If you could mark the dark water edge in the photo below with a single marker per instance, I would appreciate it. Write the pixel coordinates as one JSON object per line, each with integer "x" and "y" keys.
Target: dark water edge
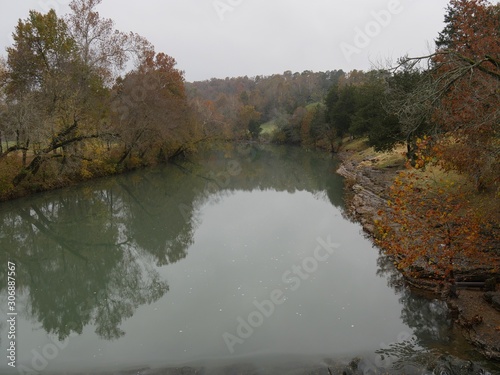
{"x": 444, "y": 365}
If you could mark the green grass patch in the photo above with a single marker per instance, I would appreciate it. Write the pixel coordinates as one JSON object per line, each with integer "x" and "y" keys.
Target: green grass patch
{"x": 268, "y": 128}
{"x": 355, "y": 145}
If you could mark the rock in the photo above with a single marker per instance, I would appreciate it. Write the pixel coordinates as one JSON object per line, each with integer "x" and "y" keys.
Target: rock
{"x": 493, "y": 299}
{"x": 367, "y": 194}
{"x": 449, "y": 365}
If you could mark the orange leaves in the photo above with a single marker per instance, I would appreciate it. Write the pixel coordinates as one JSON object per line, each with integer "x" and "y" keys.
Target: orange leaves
{"x": 423, "y": 153}
{"x": 468, "y": 110}
{"x": 431, "y": 228}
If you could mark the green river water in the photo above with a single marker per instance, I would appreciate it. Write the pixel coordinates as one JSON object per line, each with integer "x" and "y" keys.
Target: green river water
{"x": 238, "y": 259}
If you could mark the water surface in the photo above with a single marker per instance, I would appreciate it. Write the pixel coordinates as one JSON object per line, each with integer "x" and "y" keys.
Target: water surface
{"x": 183, "y": 265}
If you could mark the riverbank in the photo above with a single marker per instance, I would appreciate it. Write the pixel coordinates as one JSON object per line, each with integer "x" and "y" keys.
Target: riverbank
{"x": 18, "y": 180}
{"x": 369, "y": 175}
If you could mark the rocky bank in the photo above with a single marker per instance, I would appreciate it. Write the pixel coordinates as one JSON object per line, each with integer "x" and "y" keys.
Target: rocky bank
{"x": 476, "y": 310}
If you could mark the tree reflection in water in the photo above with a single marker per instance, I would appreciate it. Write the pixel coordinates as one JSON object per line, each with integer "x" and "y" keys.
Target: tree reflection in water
{"x": 432, "y": 331}
{"x": 75, "y": 263}
{"x": 89, "y": 255}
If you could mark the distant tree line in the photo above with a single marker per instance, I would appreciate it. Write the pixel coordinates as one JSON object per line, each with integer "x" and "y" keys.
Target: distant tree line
{"x": 239, "y": 106}
{"x": 450, "y": 96}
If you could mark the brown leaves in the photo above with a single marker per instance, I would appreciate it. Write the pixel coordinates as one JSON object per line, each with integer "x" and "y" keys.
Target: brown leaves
{"x": 430, "y": 226}
{"x": 468, "y": 110}
{"x": 151, "y": 111}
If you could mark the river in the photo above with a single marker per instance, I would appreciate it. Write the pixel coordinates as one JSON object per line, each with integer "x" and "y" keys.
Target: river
{"x": 237, "y": 258}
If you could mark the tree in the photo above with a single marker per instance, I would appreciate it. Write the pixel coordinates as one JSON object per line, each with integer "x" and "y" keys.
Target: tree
{"x": 460, "y": 91}
{"x": 370, "y": 112}
{"x": 56, "y": 93}
{"x": 440, "y": 228}
{"x": 39, "y": 66}
{"x": 213, "y": 123}
{"x": 358, "y": 105}
{"x": 3, "y": 103}
{"x": 249, "y": 118}
{"x": 341, "y": 106}
{"x": 66, "y": 113}
{"x": 155, "y": 123}
{"x": 468, "y": 63}
{"x": 409, "y": 111}
{"x": 318, "y": 127}
{"x": 42, "y": 49}
{"x": 432, "y": 230}
{"x": 279, "y": 95}
{"x": 103, "y": 50}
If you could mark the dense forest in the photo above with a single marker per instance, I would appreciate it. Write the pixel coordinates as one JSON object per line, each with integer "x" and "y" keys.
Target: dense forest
{"x": 268, "y": 108}
{"x": 79, "y": 99}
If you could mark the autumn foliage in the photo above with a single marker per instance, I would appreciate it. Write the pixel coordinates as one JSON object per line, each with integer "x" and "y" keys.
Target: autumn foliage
{"x": 442, "y": 218}
{"x": 467, "y": 70}
{"x": 72, "y": 108}
{"x": 433, "y": 229}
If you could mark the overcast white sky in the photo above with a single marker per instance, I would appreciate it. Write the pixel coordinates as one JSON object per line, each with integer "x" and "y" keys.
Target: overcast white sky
{"x": 227, "y": 38}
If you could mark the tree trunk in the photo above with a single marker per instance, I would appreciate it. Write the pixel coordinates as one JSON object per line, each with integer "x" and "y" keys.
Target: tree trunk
{"x": 25, "y": 152}
{"x": 127, "y": 152}
{"x": 411, "y": 151}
